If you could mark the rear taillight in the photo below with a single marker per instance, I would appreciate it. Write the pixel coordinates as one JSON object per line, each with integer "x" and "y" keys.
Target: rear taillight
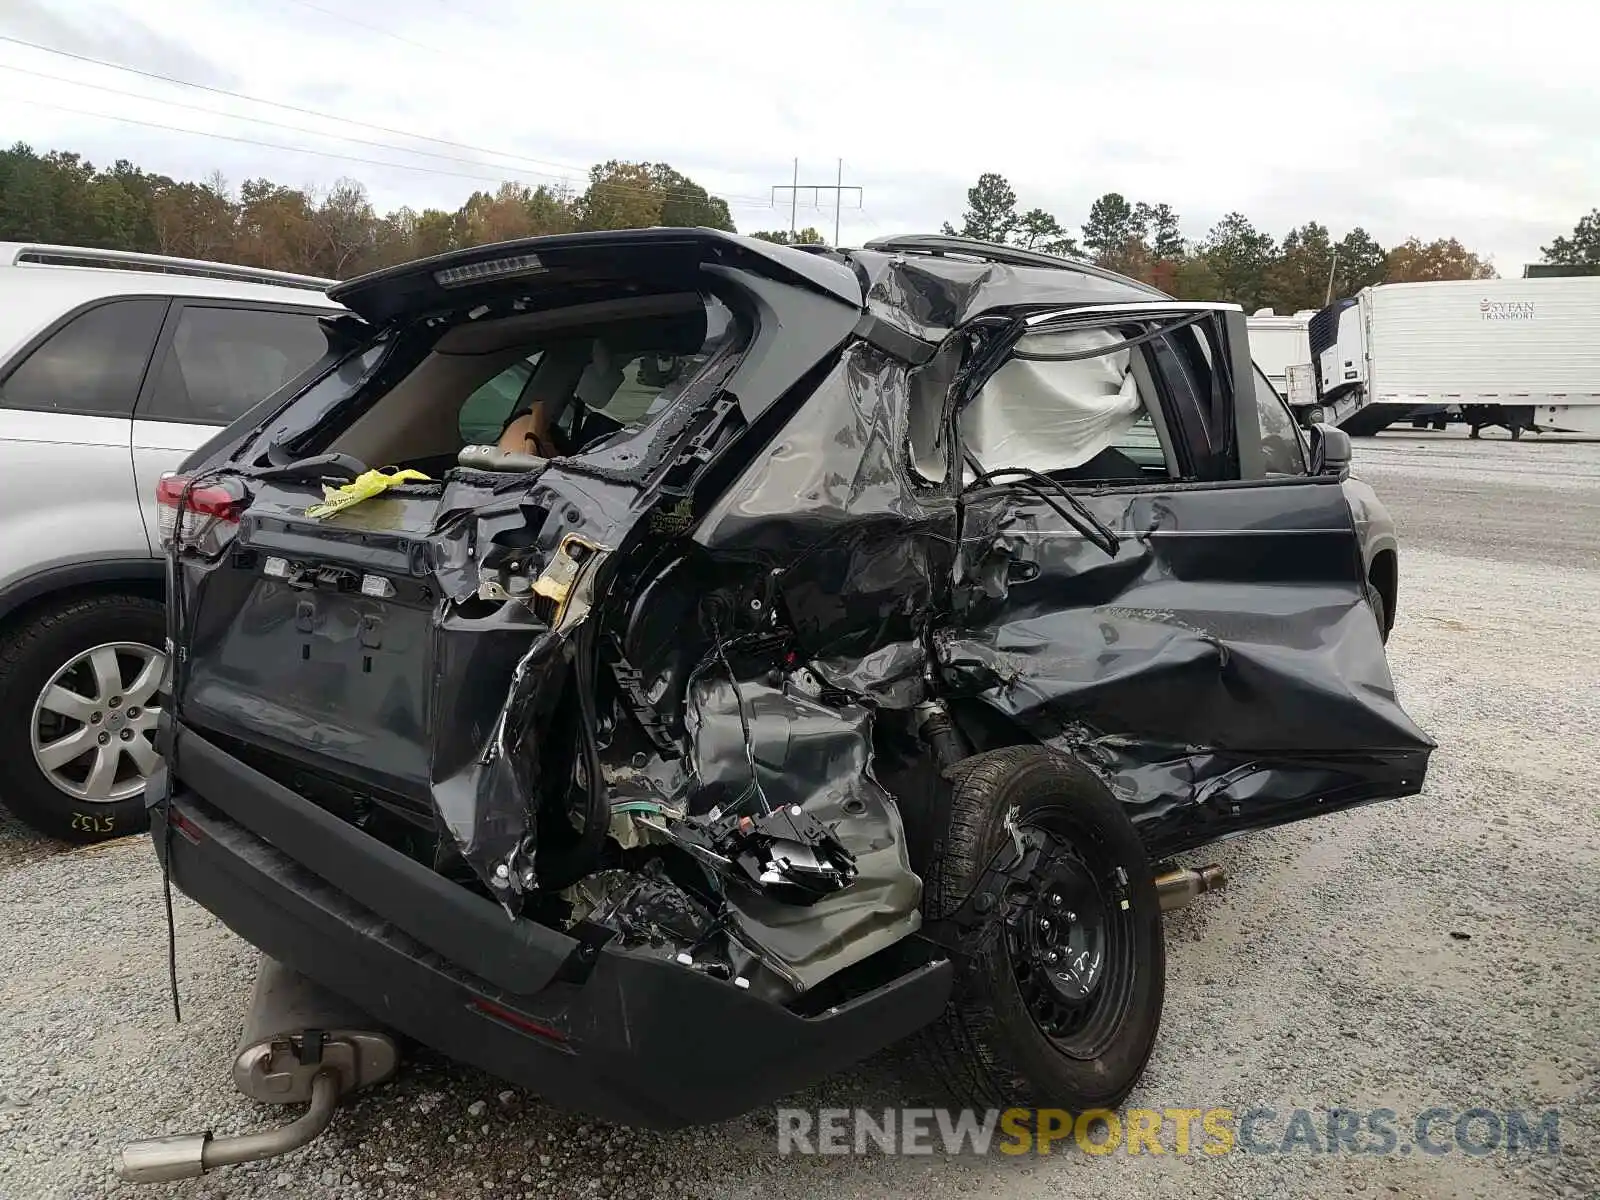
{"x": 210, "y": 512}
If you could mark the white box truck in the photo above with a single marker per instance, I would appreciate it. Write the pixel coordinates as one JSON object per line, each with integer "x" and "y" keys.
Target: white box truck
{"x": 1279, "y": 342}
{"x": 1519, "y": 353}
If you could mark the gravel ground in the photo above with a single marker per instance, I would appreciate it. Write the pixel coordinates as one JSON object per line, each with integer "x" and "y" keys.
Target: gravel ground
{"x": 1436, "y": 951}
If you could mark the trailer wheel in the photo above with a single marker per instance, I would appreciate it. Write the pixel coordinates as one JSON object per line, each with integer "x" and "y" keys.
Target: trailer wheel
{"x": 1059, "y": 1005}
{"x": 1365, "y": 423}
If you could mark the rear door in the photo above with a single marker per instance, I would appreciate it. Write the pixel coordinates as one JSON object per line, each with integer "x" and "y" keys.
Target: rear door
{"x": 66, "y": 404}
{"x": 1222, "y": 666}
{"x": 216, "y": 359}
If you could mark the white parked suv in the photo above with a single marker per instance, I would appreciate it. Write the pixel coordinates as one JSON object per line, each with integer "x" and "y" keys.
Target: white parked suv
{"x": 114, "y": 366}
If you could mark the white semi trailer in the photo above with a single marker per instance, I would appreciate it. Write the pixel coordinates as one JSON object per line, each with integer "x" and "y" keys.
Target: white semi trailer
{"x": 1520, "y": 353}
{"x": 1279, "y": 342}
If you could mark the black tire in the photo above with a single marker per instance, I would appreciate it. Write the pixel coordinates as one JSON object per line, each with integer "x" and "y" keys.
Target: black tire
{"x": 30, "y": 655}
{"x": 988, "y": 1049}
{"x": 1365, "y": 424}
{"x": 1379, "y": 610}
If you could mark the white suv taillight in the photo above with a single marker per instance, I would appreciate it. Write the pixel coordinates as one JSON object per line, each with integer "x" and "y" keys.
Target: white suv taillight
{"x": 210, "y": 513}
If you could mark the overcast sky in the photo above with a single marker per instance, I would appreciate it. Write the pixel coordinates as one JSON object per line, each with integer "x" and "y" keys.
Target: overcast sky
{"x": 1408, "y": 117}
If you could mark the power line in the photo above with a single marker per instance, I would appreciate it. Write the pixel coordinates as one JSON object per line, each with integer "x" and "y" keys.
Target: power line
{"x": 513, "y": 172}
{"x": 257, "y": 142}
{"x": 359, "y": 24}
{"x": 870, "y": 219}
{"x": 451, "y": 6}
{"x": 213, "y": 112}
{"x": 297, "y": 149}
{"x": 309, "y": 112}
{"x": 746, "y": 201}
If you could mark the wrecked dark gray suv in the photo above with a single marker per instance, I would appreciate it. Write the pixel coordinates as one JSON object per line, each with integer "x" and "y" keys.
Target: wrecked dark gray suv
{"x": 882, "y": 627}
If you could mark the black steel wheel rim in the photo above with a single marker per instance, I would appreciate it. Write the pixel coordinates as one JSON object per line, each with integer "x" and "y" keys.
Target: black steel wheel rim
{"x": 1070, "y": 942}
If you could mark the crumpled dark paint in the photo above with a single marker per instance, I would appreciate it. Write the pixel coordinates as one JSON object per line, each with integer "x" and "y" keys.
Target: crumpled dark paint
{"x": 861, "y": 553}
{"x": 929, "y": 300}
{"x": 1222, "y": 670}
{"x": 1198, "y": 734}
{"x": 484, "y": 801}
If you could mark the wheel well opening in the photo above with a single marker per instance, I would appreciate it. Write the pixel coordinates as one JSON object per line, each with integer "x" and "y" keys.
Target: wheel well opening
{"x": 149, "y": 589}
{"x": 1385, "y": 577}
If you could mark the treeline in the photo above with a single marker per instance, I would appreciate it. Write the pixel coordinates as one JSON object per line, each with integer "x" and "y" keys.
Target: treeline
{"x": 1234, "y": 261}
{"x": 60, "y": 197}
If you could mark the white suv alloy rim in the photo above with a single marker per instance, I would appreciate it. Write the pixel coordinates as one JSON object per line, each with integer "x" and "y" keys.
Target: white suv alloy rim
{"x": 94, "y": 724}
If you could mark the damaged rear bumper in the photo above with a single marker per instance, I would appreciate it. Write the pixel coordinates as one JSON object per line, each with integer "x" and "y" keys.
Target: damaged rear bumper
{"x": 628, "y": 1037}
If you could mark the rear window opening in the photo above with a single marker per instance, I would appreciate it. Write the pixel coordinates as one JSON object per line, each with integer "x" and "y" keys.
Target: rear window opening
{"x": 554, "y": 383}
{"x": 1082, "y": 405}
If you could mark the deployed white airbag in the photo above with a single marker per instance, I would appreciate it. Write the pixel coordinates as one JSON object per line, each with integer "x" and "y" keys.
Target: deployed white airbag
{"x": 1051, "y": 415}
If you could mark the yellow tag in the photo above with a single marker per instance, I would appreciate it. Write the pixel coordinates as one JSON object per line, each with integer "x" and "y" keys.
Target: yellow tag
{"x": 363, "y": 487}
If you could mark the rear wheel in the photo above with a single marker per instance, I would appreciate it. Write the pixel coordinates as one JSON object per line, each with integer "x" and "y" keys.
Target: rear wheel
{"x": 1379, "y": 610}
{"x": 1061, "y": 1005}
{"x": 78, "y": 712}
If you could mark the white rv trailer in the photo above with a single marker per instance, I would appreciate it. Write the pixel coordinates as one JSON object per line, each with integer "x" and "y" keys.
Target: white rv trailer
{"x": 1522, "y": 353}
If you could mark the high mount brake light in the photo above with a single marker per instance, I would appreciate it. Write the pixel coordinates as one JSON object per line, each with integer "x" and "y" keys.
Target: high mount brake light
{"x": 494, "y": 268}
{"x": 210, "y": 513}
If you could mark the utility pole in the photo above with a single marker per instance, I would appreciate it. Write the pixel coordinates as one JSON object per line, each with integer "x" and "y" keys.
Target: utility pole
{"x": 838, "y": 200}
{"x": 838, "y": 188}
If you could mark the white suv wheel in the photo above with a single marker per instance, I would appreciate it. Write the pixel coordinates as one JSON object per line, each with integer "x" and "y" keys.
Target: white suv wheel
{"x": 94, "y": 722}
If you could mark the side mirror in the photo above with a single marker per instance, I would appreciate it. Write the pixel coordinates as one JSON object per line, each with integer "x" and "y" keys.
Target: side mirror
{"x": 1330, "y": 450}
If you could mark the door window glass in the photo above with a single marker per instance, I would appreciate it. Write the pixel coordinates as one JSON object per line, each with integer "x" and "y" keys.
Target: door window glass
{"x": 224, "y": 361}
{"x": 92, "y": 365}
{"x": 1281, "y": 449}
{"x": 485, "y": 413}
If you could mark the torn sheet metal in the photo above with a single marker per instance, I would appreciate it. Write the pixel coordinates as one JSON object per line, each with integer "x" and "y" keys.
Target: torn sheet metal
{"x": 817, "y": 757}
{"x": 859, "y": 550}
{"x": 750, "y": 646}
{"x": 1219, "y": 679}
{"x": 930, "y": 297}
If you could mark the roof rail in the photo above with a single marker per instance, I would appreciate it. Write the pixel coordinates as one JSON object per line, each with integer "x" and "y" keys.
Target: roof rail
{"x": 132, "y": 260}
{"x": 1011, "y": 256}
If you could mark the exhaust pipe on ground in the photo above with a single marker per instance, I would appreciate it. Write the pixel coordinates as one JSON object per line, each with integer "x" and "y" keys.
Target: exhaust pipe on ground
{"x": 1179, "y": 887}
{"x": 301, "y": 1045}
{"x": 190, "y": 1155}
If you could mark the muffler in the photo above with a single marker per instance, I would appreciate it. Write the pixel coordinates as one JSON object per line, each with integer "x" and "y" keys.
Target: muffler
{"x": 1180, "y": 886}
{"x": 301, "y": 1045}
